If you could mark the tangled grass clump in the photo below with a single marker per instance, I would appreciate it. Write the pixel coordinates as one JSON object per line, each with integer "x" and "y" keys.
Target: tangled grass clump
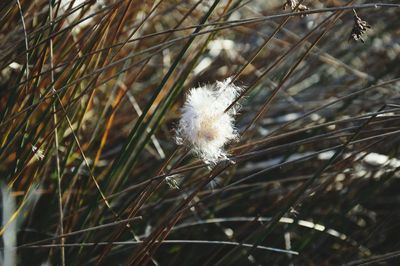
{"x": 92, "y": 94}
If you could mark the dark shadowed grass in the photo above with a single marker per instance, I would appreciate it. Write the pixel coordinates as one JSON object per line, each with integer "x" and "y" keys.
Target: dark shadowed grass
{"x": 90, "y": 93}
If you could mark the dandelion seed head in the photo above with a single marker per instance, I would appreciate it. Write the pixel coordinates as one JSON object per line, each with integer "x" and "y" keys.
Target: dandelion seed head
{"x": 204, "y": 125}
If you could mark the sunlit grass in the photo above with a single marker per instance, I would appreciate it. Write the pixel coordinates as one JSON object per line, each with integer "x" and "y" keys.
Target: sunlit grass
{"x": 91, "y": 96}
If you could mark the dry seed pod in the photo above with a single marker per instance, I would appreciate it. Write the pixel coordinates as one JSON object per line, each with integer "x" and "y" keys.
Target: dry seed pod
{"x": 359, "y": 28}
{"x": 293, "y": 4}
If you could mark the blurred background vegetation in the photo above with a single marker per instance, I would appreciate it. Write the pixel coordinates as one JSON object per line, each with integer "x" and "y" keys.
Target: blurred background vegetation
{"x": 90, "y": 93}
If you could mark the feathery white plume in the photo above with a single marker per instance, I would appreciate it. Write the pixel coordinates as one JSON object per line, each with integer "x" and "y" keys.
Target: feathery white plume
{"x": 204, "y": 125}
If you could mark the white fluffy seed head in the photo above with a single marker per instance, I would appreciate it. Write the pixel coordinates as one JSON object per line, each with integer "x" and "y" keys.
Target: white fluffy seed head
{"x": 204, "y": 125}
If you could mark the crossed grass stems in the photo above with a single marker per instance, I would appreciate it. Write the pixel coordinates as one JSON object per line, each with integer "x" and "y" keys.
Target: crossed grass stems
{"x": 129, "y": 155}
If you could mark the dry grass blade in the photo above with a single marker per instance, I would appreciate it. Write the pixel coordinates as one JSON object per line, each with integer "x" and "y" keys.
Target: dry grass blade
{"x": 91, "y": 97}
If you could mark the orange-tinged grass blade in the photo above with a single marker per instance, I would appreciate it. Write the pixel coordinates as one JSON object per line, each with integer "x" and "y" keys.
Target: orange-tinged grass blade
{"x": 115, "y": 104}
